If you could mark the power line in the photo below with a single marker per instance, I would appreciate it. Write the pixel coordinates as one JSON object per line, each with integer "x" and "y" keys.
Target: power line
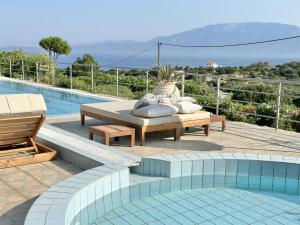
{"x": 132, "y": 56}
{"x": 230, "y": 45}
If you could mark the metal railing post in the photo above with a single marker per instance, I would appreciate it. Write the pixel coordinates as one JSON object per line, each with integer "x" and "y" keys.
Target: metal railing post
{"x": 92, "y": 77}
{"x": 218, "y": 96}
{"x": 278, "y": 105}
{"x": 10, "y": 69}
{"x": 23, "y": 70}
{"x": 182, "y": 84}
{"x": 37, "y": 71}
{"x": 117, "y": 82}
{"x": 147, "y": 82}
{"x": 71, "y": 77}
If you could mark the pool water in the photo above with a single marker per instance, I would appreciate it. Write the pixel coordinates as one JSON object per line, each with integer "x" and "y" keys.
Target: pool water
{"x": 208, "y": 206}
{"x": 58, "y": 102}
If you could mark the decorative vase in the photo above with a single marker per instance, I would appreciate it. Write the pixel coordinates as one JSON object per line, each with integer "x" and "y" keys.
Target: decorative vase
{"x": 166, "y": 89}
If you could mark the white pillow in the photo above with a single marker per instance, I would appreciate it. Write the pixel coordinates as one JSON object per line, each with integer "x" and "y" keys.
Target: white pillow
{"x": 186, "y": 99}
{"x": 145, "y": 101}
{"x": 187, "y": 107}
{"x": 156, "y": 110}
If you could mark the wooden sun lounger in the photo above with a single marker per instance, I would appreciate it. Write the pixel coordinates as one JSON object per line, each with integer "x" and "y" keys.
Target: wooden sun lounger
{"x": 17, "y": 140}
{"x": 120, "y": 113}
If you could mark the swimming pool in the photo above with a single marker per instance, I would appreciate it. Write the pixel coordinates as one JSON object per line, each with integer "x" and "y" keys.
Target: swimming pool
{"x": 58, "y": 101}
{"x": 216, "y": 188}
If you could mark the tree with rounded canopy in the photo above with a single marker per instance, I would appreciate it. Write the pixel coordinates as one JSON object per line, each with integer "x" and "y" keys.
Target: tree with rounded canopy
{"x": 55, "y": 46}
{"x": 83, "y": 65}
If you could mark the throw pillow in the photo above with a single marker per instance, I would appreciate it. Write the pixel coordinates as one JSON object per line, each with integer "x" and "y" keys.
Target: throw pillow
{"x": 156, "y": 110}
{"x": 187, "y": 107}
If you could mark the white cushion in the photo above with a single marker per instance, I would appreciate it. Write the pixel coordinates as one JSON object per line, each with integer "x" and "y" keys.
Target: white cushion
{"x": 156, "y": 110}
{"x": 186, "y": 99}
{"x": 145, "y": 101}
{"x": 21, "y": 105}
{"x": 187, "y": 107}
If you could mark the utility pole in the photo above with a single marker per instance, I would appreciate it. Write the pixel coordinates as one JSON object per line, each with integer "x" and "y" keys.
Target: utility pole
{"x": 158, "y": 53}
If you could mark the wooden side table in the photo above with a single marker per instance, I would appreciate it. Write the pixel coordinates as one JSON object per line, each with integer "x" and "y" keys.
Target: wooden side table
{"x": 219, "y": 118}
{"x": 109, "y": 131}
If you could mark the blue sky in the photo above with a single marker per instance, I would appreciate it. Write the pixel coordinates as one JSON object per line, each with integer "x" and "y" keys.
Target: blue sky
{"x": 25, "y": 22}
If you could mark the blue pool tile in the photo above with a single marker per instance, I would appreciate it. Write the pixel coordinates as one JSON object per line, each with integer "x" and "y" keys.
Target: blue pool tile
{"x": 158, "y": 168}
{"x": 169, "y": 221}
{"x": 146, "y": 166}
{"x": 243, "y": 217}
{"x": 125, "y": 195}
{"x": 266, "y": 181}
{"x": 197, "y": 181}
{"x": 152, "y": 167}
{"x": 156, "y": 213}
{"x": 166, "y": 210}
{"x": 197, "y": 167}
{"x": 243, "y": 174}
{"x": 175, "y": 169}
{"x": 145, "y": 217}
{"x": 144, "y": 189}
{"x": 219, "y": 174}
{"x": 279, "y": 177}
{"x": 155, "y": 223}
{"x": 142, "y": 205}
{"x": 175, "y": 184}
{"x": 183, "y": 220}
{"x": 186, "y": 183}
{"x": 194, "y": 217}
{"x": 134, "y": 192}
{"x": 107, "y": 203}
{"x": 163, "y": 168}
{"x": 131, "y": 219}
{"x": 186, "y": 168}
{"x": 231, "y": 173}
{"x": 208, "y": 173}
{"x": 118, "y": 221}
{"x": 116, "y": 199}
{"x": 165, "y": 185}
{"x": 292, "y": 176}
{"x": 132, "y": 208}
{"x": 232, "y": 220}
{"x": 255, "y": 174}
{"x": 120, "y": 211}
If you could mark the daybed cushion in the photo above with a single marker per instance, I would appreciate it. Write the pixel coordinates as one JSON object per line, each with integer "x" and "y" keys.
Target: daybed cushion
{"x": 122, "y": 110}
{"x": 187, "y": 107}
{"x": 21, "y": 105}
{"x": 155, "y": 110}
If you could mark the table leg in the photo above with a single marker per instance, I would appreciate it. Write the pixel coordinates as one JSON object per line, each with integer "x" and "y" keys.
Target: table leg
{"x": 106, "y": 139}
{"x": 223, "y": 125}
{"x": 82, "y": 119}
{"x": 91, "y": 135}
{"x": 207, "y": 129}
{"x": 132, "y": 140}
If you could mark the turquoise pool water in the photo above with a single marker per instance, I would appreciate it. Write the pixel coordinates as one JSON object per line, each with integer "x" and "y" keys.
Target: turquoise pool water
{"x": 58, "y": 102}
{"x": 208, "y": 206}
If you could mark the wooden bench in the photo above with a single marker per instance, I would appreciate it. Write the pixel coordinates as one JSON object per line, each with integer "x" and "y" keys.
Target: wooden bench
{"x": 110, "y": 131}
{"x": 219, "y": 118}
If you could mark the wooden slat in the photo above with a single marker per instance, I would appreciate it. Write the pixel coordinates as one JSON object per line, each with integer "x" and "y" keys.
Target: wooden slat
{"x": 7, "y": 152}
{"x": 32, "y": 119}
{"x": 20, "y": 134}
{"x": 12, "y": 128}
{"x": 13, "y": 141}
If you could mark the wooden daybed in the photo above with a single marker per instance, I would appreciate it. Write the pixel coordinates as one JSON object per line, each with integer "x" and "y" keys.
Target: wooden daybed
{"x": 21, "y": 116}
{"x": 121, "y": 113}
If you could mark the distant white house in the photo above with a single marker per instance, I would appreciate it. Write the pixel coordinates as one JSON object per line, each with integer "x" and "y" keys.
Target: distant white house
{"x": 213, "y": 64}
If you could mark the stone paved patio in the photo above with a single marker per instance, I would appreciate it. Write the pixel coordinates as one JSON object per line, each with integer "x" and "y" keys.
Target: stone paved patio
{"x": 19, "y": 187}
{"x": 238, "y": 137}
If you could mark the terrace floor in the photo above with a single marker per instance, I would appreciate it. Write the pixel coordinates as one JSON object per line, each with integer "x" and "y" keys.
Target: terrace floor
{"x": 238, "y": 137}
{"x": 20, "y": 186}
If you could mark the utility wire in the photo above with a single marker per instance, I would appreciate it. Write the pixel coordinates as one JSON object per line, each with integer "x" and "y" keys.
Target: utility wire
{"x": 132, "y": 56}
{"x": 230, "y": 45}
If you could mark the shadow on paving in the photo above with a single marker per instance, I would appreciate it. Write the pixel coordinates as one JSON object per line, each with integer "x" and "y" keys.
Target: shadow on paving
{"x": 17, "y": 215}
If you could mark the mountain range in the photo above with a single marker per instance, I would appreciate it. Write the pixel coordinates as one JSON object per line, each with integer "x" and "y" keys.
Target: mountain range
{"x": 218, "y": 34}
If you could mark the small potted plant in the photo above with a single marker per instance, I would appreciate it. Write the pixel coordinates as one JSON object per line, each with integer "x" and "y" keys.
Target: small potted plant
{"x": 167, "y": 78}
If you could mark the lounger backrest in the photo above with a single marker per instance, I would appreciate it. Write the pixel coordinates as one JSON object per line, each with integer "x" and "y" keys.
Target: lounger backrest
{"x": 21, "y": 116}
{"x": 22, "y": 105}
